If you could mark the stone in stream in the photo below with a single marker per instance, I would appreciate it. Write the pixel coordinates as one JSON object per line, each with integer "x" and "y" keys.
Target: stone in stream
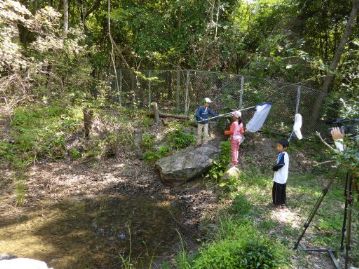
{"x": 187, "y": 164}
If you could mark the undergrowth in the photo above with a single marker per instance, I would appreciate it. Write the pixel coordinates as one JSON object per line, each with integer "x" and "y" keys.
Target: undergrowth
{"x": 177, "y": 138}
{"x": 41, "y": 132}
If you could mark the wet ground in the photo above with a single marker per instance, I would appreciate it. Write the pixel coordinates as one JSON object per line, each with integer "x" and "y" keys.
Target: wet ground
{"x": 101, "y": 214}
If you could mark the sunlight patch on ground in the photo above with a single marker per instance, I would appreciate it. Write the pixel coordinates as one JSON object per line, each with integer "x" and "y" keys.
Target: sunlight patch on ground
{"x": 286, "y": 216}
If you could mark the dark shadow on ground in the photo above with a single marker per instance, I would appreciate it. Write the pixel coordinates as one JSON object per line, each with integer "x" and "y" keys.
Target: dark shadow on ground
{"x": 103, "y": 232}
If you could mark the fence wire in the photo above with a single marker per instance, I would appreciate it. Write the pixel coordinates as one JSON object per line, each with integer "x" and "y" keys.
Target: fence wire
{"x": 182, "y": 91}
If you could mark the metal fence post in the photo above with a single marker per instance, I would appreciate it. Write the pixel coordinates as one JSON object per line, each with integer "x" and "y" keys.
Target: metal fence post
{"x": 178, "y": 90}
{"x": 186, "y": 107}
{"x": 120, "y": 89}
{"x": 241, "y": 92}
{"x": 149, "y": 89}
{"x": 298, "y": 99}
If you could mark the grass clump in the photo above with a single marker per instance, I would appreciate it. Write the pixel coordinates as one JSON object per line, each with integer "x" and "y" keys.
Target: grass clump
{"x": 154, "y": 155}
{"x": 241, "y": 246}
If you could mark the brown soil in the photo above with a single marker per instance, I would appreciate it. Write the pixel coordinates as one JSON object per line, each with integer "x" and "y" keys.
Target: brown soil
{"x": 95, "y": 214}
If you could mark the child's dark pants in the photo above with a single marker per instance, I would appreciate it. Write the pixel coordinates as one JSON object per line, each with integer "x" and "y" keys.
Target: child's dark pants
{"x": 279, "y": 193}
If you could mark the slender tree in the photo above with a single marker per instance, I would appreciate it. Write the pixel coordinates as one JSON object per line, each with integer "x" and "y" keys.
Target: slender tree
{"x": 328, "y": 79}
{"x": 66, "y": 16}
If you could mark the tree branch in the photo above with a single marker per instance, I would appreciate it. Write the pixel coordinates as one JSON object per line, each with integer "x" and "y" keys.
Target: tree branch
{"x": 325, "y": 143}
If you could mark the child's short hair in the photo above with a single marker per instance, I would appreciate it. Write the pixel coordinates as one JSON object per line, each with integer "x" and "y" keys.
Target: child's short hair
{"x": 284, "y": 143}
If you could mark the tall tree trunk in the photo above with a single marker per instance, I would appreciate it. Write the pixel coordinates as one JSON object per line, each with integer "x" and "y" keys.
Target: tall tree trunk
{"x": 66, "y": 16}
{"x": 335, "y": 62}
{"x": 112, "y": 53}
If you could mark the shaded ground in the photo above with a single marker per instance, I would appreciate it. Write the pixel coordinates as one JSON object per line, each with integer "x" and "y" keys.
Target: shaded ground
{"x": 97, "y": 214}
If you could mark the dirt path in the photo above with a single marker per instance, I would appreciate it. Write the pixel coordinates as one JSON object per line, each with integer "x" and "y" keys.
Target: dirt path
{"x": 94, "y": 214}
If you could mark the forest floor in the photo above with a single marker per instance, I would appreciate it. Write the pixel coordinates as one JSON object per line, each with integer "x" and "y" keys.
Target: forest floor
{"x": 113, "y": 212}
{"x": 96, "y": 214}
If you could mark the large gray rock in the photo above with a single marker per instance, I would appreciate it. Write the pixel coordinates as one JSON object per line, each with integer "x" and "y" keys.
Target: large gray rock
{"x": 187, "y": 164}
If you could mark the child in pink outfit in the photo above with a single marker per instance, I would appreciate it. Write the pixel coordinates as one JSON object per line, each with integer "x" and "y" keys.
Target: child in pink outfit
{"x": 236, "y": 132}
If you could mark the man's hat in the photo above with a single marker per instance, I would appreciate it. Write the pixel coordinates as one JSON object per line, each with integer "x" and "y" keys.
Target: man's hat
{"x": 207, "y": 100}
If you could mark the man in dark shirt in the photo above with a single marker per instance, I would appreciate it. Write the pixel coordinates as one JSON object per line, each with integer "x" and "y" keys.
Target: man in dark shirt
{"x": 202, "y": 115}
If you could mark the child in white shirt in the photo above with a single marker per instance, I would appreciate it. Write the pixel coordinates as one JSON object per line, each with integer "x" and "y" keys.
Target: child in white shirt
{"x": 280, "y": 174}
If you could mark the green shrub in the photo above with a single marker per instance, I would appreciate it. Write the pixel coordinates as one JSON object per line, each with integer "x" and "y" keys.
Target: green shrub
{"x": 180, "y": 139}
{"x": 148, "y": 141}
{"x": 242, "y": 247}
{"x": 154, "y": 155}
{"x": 75, "y": 154}
{"x": 40, "y": 131}
{"x": 220, "y": 166}
{"x": 228, "y": 184}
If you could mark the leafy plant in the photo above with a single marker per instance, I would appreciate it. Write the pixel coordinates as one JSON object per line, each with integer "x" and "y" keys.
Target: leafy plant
{"x": 241, "y": 247}
{"x": 220, "y": 166}
{"x": 148, "y": 141}
{"x": 180, "y": 139}
{"x": 154, "y": 155}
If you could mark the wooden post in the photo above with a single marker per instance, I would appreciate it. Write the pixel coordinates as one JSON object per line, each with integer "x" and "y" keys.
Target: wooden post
{"x": 241, "y": 93}
{"x": 88, "y": 114}
{"x": 156, "y": 113}
{"x": 186, "y": 107}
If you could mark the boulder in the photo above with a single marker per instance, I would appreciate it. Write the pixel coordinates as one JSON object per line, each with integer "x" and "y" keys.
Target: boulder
{"x": 187, "y": 164}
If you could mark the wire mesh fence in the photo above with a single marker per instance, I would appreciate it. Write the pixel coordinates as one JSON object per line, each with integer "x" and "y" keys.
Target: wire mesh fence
{"x": 182, "y": 91}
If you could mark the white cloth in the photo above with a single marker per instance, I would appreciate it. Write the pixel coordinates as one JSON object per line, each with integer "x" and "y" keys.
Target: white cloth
{"x": 281, "y": 175}
{"x": 298, "y": 122}
{"x": 23, "y": 263}
{"x": 259, "y": 117}
{"x": 202, "y": 129}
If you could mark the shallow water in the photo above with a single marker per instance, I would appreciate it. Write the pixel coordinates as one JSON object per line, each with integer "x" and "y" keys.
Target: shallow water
{"x": 103, "y": 232}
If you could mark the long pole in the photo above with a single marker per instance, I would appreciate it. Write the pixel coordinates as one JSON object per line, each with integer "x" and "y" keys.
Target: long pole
{"x": 349, "y": 222}
{"x": 226, "y": 114}
{"x": 298, "y": 99}
{"x": 313, "y": 212}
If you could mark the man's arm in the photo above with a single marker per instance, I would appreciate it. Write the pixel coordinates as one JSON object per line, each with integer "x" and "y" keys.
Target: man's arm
{"x": 212, "y": 113}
